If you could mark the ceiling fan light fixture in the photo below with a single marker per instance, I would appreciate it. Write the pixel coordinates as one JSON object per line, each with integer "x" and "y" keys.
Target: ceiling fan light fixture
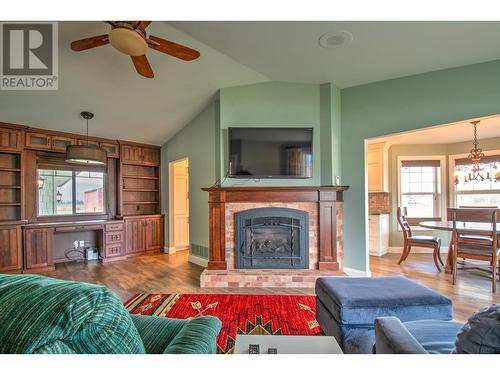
{"x": 128, "y": 41}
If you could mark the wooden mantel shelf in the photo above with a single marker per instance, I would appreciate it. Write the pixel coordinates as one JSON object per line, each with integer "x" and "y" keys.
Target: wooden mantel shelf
{"x": 326, "y": 198}
{"x": 275, "y": 193}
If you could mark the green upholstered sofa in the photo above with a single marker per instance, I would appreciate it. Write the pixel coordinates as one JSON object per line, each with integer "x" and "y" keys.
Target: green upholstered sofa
{"x": 44, "y": 315}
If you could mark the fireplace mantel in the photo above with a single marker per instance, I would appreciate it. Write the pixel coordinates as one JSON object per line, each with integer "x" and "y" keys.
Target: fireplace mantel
{"x": 327, "y": 199}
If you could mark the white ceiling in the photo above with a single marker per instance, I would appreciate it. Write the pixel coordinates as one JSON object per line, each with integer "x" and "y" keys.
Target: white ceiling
{"x": 289, "y": 51}
{"x": 445, "y": 134}
{"x": 126, "y": 105}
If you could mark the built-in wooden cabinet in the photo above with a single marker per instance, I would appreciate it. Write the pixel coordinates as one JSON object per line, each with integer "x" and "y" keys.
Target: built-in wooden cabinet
{"x": 154, "y": 233}
{"x": 377, "y": 163}
{"x": 10, "y": 186}
{"x": 11, "y": 245}
{"x": 11, "y": 139}
{"x": 38, "y": 141}
{"x": 378, "y": 229}
{"x": 38, "y": 248}
{"x": 140, "y": 175}
{"x": 140, "y": 155}
{"x": 29, "y": 243}
{"x": 49, "y": 142}
{"x": 143, "y": 233}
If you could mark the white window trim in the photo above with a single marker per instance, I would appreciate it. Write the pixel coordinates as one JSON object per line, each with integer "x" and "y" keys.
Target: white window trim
{"x": 451, "y": 174}
{"x": 444, "y": 186}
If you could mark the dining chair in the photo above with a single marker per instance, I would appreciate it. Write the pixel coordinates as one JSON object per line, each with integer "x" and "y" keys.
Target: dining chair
{"x": 410, "y": 240}
{"x": 468, "y": 244}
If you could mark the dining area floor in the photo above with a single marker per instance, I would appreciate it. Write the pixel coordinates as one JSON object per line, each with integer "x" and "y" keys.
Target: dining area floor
{"x": 472, "y": 291}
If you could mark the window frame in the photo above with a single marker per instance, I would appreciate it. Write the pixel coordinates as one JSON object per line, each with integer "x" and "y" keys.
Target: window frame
{"x": 442, "y": 194}
{"x": 451, "y": 176}
{"x": 73, "y": 187}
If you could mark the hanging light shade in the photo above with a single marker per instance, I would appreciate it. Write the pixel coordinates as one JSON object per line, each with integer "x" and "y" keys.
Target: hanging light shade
{"x": 88, "y": 154}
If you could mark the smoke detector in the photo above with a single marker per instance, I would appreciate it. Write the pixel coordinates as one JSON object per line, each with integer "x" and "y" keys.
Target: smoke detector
{"x": 335, "y": 39}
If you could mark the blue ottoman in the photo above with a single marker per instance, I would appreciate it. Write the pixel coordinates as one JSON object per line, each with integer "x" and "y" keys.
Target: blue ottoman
{"x": 346, "y": 307}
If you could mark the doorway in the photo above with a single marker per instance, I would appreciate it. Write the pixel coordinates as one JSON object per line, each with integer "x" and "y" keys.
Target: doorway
{"x": 179, "y": 205}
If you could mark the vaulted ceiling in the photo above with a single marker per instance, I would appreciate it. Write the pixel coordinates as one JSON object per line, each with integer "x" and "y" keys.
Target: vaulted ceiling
{"x": 128, "y": 106}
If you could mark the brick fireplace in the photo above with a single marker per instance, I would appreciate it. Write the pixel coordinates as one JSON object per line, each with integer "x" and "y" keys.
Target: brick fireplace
{"x": 277, "y": 234}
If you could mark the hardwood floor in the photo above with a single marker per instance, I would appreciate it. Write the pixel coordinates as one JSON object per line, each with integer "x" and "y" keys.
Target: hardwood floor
{"x": 163, "y": 273}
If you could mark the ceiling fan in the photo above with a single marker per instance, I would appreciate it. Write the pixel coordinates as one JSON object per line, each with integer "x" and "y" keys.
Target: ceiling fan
{"x": 130, "y": 38}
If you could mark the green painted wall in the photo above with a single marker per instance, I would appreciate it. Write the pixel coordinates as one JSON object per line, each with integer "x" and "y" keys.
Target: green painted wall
{"x": 398, "y": 105}
{"x": 198, "y": 142}
{"x": 271, "y": 104}
{"x": 330, "y": 123}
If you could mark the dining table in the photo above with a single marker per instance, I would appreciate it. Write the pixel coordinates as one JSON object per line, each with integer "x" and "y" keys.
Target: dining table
{"x": 447, "y": 225}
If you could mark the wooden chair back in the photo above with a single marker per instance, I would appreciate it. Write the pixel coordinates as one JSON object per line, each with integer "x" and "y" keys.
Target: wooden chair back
{"x": 472, "y": 214}
{"x": 483, "y": 215}
{"x": 403, "y": 222}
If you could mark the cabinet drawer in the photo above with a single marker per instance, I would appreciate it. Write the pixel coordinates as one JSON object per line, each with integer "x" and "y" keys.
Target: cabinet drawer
{"x": 112, "y": 237}
{"x": 113, "y": 250}
{"x": 114, "y": 227}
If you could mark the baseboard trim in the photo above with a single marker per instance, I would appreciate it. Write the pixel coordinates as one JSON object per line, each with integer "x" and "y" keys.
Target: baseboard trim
{"x": 170, "y": 249}
{"x": 352, "y": 272}
{"x": 416, "y": 250}
{"x": 198, "y": 260}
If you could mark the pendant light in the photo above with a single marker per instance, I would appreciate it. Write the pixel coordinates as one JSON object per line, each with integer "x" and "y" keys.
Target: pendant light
{"x": 87, "y": 154}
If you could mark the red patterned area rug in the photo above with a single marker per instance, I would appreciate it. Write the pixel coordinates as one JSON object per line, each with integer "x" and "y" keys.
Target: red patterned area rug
{"x": 241, "y": 314}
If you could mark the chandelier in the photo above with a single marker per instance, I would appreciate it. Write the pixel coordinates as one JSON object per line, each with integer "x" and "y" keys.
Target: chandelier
{"x": 476, "y": 156}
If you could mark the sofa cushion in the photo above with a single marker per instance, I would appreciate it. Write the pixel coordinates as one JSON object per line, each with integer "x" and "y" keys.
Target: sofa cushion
{"x": 436, "y": 336}
{"x": 481, "y": 333}
{"x": 157, "y": 332}
{"x": 44, "y": 315}
{"x": 198, "y": 336}
{"x": 359, "y": 300}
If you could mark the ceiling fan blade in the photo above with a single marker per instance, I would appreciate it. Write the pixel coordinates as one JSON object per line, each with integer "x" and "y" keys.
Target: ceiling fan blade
{"x": 142, "y": 66}
{"x": 87, "y": 43}
{"x": 173, "y": 49}
{"x": 143, "y": 24}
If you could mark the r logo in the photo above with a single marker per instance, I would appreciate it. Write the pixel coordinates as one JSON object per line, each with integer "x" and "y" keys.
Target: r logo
{"x": 29, "y": 56}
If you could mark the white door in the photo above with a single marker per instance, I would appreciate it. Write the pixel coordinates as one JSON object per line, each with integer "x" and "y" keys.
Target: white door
{"x": 180, "y": 185}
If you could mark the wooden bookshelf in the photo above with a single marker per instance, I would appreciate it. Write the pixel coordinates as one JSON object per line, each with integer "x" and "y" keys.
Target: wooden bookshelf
{"x": 140, "y": 189}
{"x": 10, "y": 188}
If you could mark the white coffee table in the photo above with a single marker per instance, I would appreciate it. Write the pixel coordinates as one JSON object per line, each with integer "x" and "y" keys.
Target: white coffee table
{"x": 288, "y": 344}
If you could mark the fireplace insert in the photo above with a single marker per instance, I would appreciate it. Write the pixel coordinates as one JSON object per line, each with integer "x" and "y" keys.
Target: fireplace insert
{"x": 272, "y": 238}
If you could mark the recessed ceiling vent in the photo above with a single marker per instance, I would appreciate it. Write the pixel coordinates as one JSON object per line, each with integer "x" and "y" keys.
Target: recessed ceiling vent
{"x": 335, "y": 39}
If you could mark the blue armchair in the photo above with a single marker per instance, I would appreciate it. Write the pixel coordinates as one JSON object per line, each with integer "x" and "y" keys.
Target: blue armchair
{"x": 480, "y": 335}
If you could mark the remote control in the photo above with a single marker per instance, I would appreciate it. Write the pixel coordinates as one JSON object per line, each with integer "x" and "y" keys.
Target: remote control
{"x": 253, "y": 349}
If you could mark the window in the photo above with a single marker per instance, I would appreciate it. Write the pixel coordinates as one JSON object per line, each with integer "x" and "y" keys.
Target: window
{"x": 70, "y": 192}
{"x": 476, "y": 192}
{"x": 420, "y": 189}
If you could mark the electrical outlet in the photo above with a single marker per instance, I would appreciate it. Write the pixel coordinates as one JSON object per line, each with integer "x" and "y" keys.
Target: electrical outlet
{"x": 75, "y": 244}
{"x": 82, "y": 243}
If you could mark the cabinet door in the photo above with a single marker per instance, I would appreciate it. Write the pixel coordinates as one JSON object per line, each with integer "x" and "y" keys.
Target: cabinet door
{"x": 154, "y": 233}
{"x": 150, "y": 156}
{"x": 60, "y": 143}
{"x": 38, "y": 248}
{"x": 11, "y": 139}
{"x": 111, "y": 148}
{"x": 11, "y": 257}
{"x": 376, "y": 167}
{"x": 84, "y": 142}
{"x": 135, "y": 240}
{"x": 131, "y": 154}
{"x": 38, "y": 141}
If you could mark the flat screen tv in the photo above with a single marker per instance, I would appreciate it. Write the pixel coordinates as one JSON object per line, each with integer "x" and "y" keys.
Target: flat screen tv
{"x": 270, "y": 152}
